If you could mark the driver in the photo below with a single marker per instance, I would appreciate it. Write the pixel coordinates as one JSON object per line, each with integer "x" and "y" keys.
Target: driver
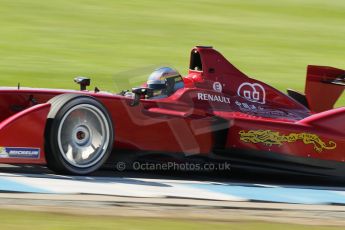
{"x": 164, "y": 81}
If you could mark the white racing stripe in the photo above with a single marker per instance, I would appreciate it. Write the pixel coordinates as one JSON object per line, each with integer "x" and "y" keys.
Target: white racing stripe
{"x": 131, "y": 187}
{"x": 160, "y": 188}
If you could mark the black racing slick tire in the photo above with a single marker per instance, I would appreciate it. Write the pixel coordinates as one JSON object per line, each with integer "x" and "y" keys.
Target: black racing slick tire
{"x": 79, "y": 134}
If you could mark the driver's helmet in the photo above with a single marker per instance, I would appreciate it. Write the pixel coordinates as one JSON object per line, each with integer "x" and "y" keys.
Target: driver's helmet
{"x": 164, "y": 81}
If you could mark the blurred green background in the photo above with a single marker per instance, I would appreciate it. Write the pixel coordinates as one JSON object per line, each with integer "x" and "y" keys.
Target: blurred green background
{"x": 118, "y": 43}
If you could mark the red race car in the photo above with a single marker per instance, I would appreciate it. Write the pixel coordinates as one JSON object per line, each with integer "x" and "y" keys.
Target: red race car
{"x": 216, "y": 112}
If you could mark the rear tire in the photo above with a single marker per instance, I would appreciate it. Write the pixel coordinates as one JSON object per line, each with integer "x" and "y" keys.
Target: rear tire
{"x": 78, "y": 135}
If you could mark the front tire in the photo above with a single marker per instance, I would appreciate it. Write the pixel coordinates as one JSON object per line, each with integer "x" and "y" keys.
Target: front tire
{"x": 79, "y": 134}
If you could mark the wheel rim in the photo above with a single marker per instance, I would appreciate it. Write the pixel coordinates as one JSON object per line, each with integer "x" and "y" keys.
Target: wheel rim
{"x": 83, "y": 135}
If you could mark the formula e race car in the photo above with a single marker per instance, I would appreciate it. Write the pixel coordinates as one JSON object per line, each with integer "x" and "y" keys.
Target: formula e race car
{"x": 216, "y": 112}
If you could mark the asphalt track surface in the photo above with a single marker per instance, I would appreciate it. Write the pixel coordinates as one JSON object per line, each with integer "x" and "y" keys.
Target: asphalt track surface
{"x": 175, "y": 195}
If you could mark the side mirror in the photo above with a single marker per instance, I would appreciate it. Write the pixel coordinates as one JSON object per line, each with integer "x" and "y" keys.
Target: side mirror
{"x": 140, "y": 93}
{"x": 83, "y": 82}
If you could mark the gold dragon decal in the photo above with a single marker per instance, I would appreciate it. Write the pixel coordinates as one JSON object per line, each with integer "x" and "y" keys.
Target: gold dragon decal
{"x": 269, "y": 137}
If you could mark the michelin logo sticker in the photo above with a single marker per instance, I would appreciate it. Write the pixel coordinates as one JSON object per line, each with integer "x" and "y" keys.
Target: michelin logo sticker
{"x": 18, "y": 152}
{"x": 252, "y": 92}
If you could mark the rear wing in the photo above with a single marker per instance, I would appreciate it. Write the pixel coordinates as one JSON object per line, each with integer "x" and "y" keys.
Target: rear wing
{"x": 324, "y": 85}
